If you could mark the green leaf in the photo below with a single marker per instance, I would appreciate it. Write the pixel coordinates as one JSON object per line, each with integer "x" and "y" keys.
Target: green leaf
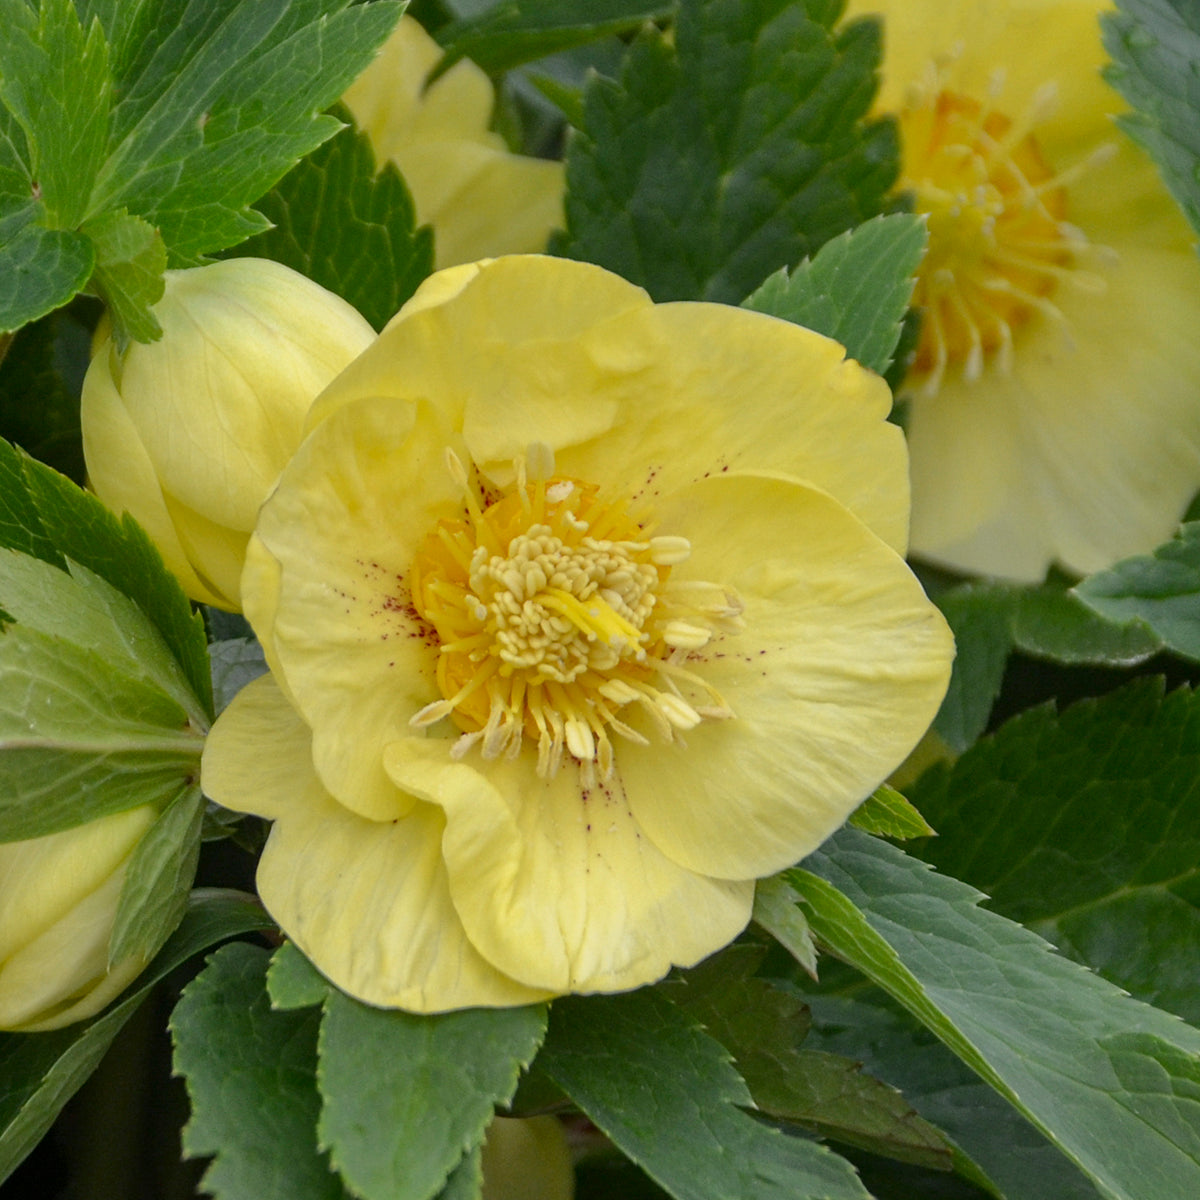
{"x": 250, "y": 1074}
{"x": 1155, "y": 45}
{"x": 466, "y": 1180}
{"x": 1084, "y": 826}
{"x": 405, "y": 1097}
{"x": 55, "y": 82}
{"x": 39, "y": 392}
{"x": 737, "y": 149}
{"x": 668, "y": 1097}
{"x": 350, "y": 229}
{"x": 219, "y": 101}
{"x": 40, "y": 270}
{"x": 776, "y": 910}
{"x": 160, "y": 872}
{"x": 130, "y": 261}
{"x": 1160, "y": 589}
{"x": 1047, "y": 621}
{"x": 40, "y": 1072}
{"x": 293, "y": 982}
{"x": 44, "y": 514}
{"x": 995, "y": 1147}
{"x": 1114, "y": 1083}
{"x": 235, "y": 662}
{"x": 856, "y": 290}
{"x": 887, "y": 813}
{"x": 505, "y": 35}
{"x": 80, "y": 739}
{"x": 763, "y": 1026}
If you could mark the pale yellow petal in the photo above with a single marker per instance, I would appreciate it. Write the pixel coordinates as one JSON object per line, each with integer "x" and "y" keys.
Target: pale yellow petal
{"x": 121, "y": 474}
{"x": 740, "y": 390}
{"x": 367, "y": 902}
{"x": 1088, "y": 451}
{"x": 840, "y": 669}
{"x": 343, "y": 528}
{"x": 217, "y": 552}
{"x": 1021, "y": 45}
{"x": 258, "y": 756}
{"x": 555, "y": 883}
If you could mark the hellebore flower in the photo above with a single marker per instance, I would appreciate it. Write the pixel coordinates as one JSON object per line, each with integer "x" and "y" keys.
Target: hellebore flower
{"x": 582, "y": 614}
{"x": 187, "y": 434}
{"x": 58, "y": 902}
{"x": 480, "y": 198}
{"x": 1053, "y": 400}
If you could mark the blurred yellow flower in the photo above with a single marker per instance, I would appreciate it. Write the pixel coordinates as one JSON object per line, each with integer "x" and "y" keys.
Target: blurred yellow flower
{"x": 1055, "y": 396}
{"x": 58, "y": 902}
{"x": 527, "y": 1158}
{"x": 480, "y": 198}
{"x": 187, "y": 434}
{"x": 582, "y": 614}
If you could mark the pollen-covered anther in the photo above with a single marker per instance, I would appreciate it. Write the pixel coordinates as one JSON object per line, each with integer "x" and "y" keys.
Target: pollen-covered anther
{"x": 557, "y": 623}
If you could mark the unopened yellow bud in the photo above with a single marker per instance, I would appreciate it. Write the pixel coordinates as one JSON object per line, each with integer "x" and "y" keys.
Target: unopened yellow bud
{"x": 527, "y": 1159}
{"x": 58, "y": 903}
{"x": 189, "y": 433}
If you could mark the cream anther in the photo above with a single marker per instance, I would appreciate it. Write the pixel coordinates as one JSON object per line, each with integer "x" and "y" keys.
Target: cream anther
{"x": 669, "y": 551}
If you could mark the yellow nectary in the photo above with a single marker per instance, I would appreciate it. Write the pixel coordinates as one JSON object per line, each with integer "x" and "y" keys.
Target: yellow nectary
{"x": 479, "y": 197}
{"x": 1052, "y": 407}
{"x": 582, "y": 613}
{"x": 58, "y": 902}
{"x": 189, "y": 433}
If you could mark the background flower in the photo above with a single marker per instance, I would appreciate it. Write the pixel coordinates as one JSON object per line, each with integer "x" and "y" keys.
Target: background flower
{"x": 1053, "y": 406}
{"x": 538, "y": 723}
{"x": 481, "y": 199}
{"x": 189, "y": 433}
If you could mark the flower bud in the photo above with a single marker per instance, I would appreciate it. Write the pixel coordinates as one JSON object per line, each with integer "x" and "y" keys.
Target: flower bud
{"x": 527, "y": 1158}
{"x": 58, "y": 902}
{"x": 188, "y": 434}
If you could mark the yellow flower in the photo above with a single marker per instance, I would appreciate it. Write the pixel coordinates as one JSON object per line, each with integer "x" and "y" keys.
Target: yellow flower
{"x": 582, "y": 613}
{"x": 480, "y": 199}
{"x": 1054, "y": 400}
{"x": 58, "y": 902}
{"x": 189, "y": 433}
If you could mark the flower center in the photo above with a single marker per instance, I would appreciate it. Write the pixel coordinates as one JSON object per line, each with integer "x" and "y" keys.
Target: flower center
{"x": 999, "y": 242}
{"x": 555, "y": 611}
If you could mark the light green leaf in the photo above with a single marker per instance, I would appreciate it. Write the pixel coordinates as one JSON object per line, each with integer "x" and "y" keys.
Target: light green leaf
{"x": 160, "y": 872}
{"x": 80, "y": 607}
{"x": 668, "y": 1097}
{"x": 777, "y": 911}
{"x": 44, "y": 514}
{"x": 405, "y": 1097}
{"x": 1155, "y": 45}
{"x": 348, "y": 228}
{"x": 1112, "y": 1082}
{"x": 1084, "y": 826}
{"x": 856, "y": 290}
{"x": 505, "y": 35}
{"x": 40, "y": 1072}
{"x": 192, "y": 147}
{"x": 736, "y": 148}
{"x": 887, "y": 813}
{"x": 79, "y": 739}
{"x": 1160, "y": 589}
{"x": 250, "y": 1074}
{"x": 130, "y": 261}
{"x": 55, "y": 82}
{"x": 466, "y": 1180}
